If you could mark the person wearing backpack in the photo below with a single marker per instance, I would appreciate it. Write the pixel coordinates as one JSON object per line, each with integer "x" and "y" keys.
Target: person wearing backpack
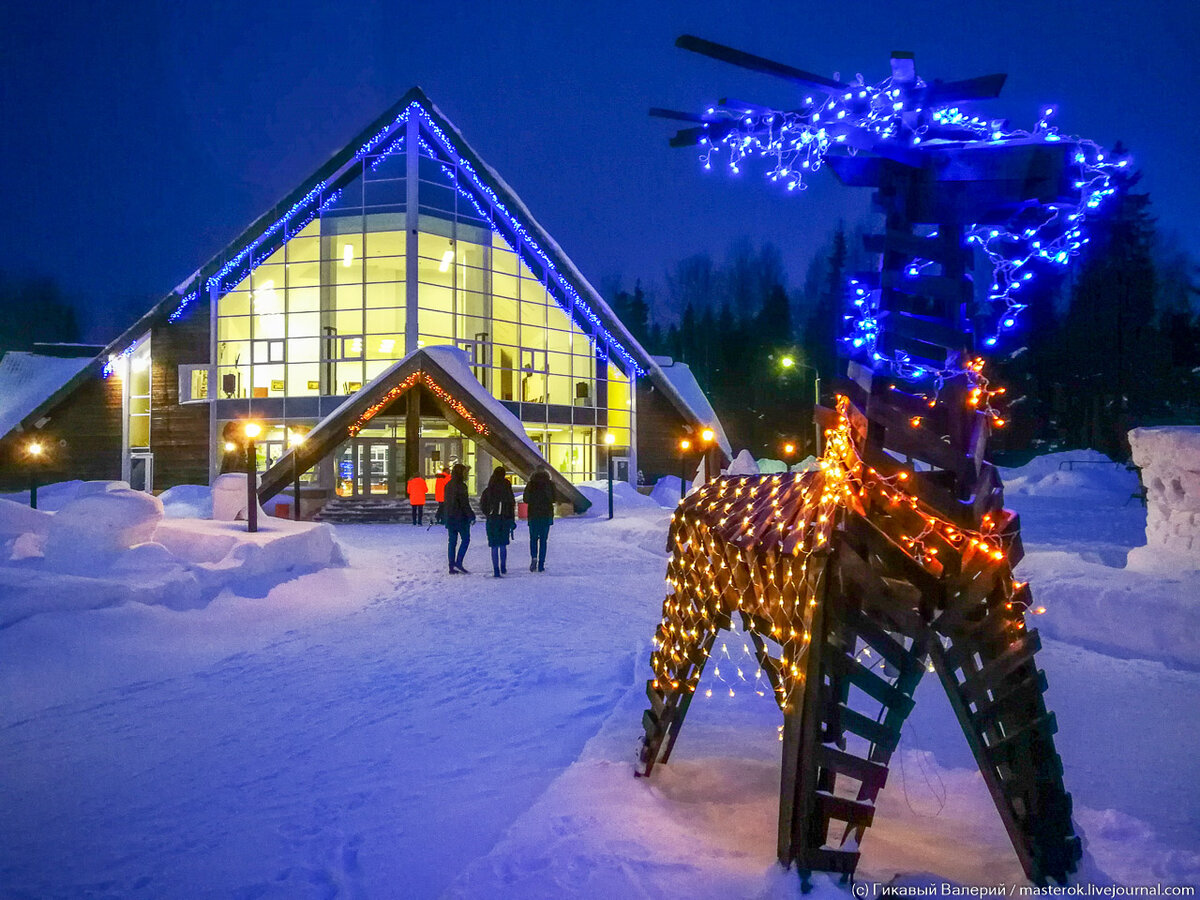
{"x": 539, "y": 499}
{"x": 499, "y": 507}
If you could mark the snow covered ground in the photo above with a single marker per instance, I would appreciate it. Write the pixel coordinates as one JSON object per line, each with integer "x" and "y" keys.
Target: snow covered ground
{"x": 388, "y": 730}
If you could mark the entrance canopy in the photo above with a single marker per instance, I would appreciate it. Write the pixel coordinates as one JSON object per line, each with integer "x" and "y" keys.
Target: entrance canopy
{"x": 443, "y": 375}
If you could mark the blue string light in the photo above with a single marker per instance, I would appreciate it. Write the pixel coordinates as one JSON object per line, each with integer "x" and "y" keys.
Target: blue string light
{"x": 798, "y": 142}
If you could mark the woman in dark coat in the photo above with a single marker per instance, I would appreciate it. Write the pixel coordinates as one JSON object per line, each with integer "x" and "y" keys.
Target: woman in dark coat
{"x": 539, "y": 499}
{"x": 459, "y": 517}
{"x": 500, "y": 507}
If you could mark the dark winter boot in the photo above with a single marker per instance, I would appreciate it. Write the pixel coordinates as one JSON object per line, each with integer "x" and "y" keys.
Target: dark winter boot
{"x": 453, "y": 571}
{"x": 533, "y": 565}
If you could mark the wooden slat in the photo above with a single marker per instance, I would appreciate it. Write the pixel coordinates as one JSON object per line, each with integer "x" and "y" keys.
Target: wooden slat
{"x": 872, "y": 775}
{"x": 855, "y": 812}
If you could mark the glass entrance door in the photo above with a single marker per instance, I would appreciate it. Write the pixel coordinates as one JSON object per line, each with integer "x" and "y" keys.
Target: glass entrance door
{"x": 375, "y": 468}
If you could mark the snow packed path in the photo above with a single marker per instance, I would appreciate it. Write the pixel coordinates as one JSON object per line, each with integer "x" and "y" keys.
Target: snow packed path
{"x": 387, "y": 730}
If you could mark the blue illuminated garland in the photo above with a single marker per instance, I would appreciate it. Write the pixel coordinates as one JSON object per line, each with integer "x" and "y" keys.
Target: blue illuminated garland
{"x": 111, "y": 365}
{"x": 798, "y": 142}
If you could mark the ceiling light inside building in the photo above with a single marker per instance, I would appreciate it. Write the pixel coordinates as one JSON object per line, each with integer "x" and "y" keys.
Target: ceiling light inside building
{"x": 447, "y": 258}
{"x": 347, "y": 255}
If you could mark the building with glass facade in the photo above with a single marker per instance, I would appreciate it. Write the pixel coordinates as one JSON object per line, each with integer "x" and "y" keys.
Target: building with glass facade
{"x": 405, "y": 240}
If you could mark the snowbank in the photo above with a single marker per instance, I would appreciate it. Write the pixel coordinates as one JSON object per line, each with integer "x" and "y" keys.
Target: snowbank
{"x": 1170, "y": 463}
{"x": 111, "y": 544}
{"x": 1069, "y": 473}
{"x": 187, "y": 501}
{"x": 625, "y": 496}
{"x": 742, "y": 464}
{"x": 667, "y": 491}
{"x": 53, "y": 497}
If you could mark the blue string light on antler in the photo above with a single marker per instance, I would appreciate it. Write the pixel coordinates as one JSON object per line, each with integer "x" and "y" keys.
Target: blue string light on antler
{"x": 890, "y": 116}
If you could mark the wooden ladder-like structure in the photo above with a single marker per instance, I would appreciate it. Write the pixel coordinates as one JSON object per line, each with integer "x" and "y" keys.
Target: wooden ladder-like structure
{"x": 856, "y": 580}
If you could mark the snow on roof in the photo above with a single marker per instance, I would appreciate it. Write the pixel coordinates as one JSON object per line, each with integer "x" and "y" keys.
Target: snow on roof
{"x": 680, "y": 377}
{"x": 28, "y": 379}
{"x": 454, "y": 361}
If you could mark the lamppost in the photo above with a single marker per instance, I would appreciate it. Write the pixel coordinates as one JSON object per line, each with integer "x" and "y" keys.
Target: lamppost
{"x": 295, "y": 441}
{"x": 788, "y": 362}
{"x": 684, "y": 446}
{"x": 707, "y": 436}
{"x": 34, "y": 451}
{"x": 609, "y": 440}
{"x": 251, "y": 430}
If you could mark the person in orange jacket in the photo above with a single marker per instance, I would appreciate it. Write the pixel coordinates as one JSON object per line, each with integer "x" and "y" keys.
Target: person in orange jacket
{"x": 439, "y": 494}
{"x": 417, "y": 489}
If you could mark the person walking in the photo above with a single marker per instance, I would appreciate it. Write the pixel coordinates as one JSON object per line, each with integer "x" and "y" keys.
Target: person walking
{"x": 459, "y": 517}
{"x": 439, "y": 494}
{"x": 417, "y": 491}
{"x": 499, "y": 506}
{"x": 539, "y": 500}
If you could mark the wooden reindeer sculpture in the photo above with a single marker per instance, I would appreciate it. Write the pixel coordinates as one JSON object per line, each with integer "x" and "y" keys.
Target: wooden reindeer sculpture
{"x": 856, "y": 579}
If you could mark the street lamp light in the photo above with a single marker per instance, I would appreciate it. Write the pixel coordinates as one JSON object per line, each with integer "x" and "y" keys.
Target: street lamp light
{"x": 609, "y": 440}
{"x": 34, "y": 451}
{"x": 295, "y": 441}
{"x": 251, "y": 430}
{"x": 684, "y": 446}
{"x": 707, "y": 436}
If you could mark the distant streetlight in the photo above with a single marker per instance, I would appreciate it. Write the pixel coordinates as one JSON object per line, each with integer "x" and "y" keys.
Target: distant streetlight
{"x": 609, "y": 440}
{"x": 295, "y": 441}
{"x": 251, "y": 430}
{"x": 789, "y": 449}
{"x": 788, "y": 362}
{"x": 684, "y": 446}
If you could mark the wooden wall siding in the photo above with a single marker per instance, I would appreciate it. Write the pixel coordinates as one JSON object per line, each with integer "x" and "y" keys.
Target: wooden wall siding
{"x": 659, "y": 428}
{"x": 178, "y": 434}
{"x": 89, "y": 422}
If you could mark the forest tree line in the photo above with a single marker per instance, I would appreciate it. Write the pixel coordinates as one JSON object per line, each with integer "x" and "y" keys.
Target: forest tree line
{"x": 1111, "y": 345}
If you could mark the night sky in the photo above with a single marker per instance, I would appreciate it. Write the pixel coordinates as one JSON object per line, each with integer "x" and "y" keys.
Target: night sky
{"x": 138, "y": 139}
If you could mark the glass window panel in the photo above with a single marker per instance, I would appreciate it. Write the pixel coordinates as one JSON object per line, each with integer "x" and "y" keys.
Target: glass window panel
{"x": 304, "y": 350}
{"x": 348, "y": 296}
{"x": 302, "y": 249}
{"x": 269, "y": 326}
{"x": 348, "y": 321}
{"x": 431, "y": 272}
{"x": 391, "y": 193}
{"x": 385, "y": 346}
{"x": 234, "y": 304}
{"x": 343, "y": 244}
{"x": 268, "y": 276}
{"x": 233, "y": 328}
{"x": 533, "y": 290}
{"x": 433, "y": 297}
{"x": 504, "y": 310}
{"x": 304, "y": 325}
{"x": 303, "y": 380}
{"x": 504, "y": 285}
{"x": 391, "y": 293}
{"x": 559, "y": 342}
{"x": 268, "y": 381}
{"x": 433, "y": 246}
{"x": 304, "y": 300}
{"x": 304, "y": 275}
{"x": 385, "y": 268}
{"x": 139, "y": 431}
{"x": 380, "y": 321}
{"x": 233, "y": 382}
{"x": 385, "y": 243}
{"x": 435, "y": 323}
{"x": 619, "y": 398}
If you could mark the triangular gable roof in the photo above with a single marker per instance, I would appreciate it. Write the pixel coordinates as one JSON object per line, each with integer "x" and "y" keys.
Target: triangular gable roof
{"x": 493, "y": 197}
{"x": 27, "y": 379}
{"x": 445, "y": 375}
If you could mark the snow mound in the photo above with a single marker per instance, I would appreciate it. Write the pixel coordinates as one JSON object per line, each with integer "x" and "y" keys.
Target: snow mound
{"x": 111, "y": 544}
{"x": 187, "y": 501}
{"x": 53, "y": 497}
{"x": 743, "y": 464}
{"x": 666, "y": 491}
{"x": 771, "y": 466}
{"x": 105, "y": 519}
{"x": 1069, "y": 473}
{"x": 625, "y": 496}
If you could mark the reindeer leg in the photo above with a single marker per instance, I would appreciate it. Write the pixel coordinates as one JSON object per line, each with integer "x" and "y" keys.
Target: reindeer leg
{"x": 985, "y": 661}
